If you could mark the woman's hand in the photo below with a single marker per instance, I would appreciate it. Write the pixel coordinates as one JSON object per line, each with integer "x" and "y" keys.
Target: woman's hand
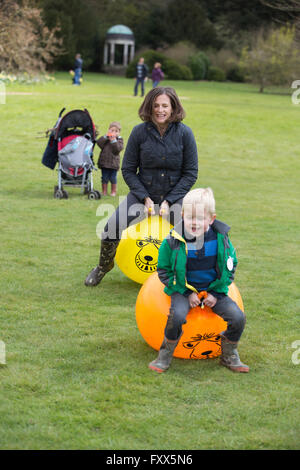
{"x": 149, "y": 206}
{"x": 210, "y": 300}
{"x": 164, "y": 209}
{"x": 194, "y": 300}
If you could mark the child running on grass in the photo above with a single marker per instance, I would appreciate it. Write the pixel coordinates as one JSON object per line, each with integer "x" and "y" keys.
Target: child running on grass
{"x": 111, "y": 145}
{"x": 197, "y": 256}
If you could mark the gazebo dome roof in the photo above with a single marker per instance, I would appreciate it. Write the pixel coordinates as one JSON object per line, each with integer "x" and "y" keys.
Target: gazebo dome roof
{"x": 119, "y": 31}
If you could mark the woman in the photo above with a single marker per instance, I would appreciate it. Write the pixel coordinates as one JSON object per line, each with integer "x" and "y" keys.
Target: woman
{"x": 160, "y": 166}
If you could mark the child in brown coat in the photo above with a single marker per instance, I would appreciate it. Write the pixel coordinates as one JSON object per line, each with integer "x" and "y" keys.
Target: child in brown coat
{"x": 111, "y": 145}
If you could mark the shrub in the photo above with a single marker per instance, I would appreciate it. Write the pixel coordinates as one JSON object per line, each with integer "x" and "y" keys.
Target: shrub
{"x": 175, "y": 71}
{"x": 180, "y": 51}
{"x": 216, "y": 74}
{"x": 235, "y": 74}
{"x": 199, "y": 64}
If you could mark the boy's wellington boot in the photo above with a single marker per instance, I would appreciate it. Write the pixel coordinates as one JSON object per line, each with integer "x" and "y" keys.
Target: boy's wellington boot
{"x": 165, "y": 356}
{"x": 113, "y": 190}
{"x": 106, "y": 262}
{"x": 104, "y": 189}
{"x": 230, "y": 356}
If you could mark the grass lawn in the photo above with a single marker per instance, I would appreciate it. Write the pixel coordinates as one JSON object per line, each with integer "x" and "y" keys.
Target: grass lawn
{"x": 76, "y": 374}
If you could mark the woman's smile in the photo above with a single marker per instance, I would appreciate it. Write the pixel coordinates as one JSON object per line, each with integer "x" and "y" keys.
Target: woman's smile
{"x": 162, "y": 109}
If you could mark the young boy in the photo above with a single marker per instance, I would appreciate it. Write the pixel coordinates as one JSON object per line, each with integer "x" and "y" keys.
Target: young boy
{"x": 197, "y": 256}
{"x": 111, "y": 145}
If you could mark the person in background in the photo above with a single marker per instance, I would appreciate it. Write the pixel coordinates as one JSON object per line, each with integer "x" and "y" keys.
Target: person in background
{"x": 77, "y": 69}
{"x": 157, "y": 74}
{"x": 141, "y": 76}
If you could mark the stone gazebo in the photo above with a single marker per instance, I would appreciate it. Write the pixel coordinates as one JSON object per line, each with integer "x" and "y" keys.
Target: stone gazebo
{"x": 118, "y": 48}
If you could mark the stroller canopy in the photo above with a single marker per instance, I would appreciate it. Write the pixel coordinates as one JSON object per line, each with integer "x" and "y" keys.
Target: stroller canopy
{"x": 75, "y": 122}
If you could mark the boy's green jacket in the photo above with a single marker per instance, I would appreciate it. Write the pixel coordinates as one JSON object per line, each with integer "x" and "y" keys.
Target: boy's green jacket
{"x": 172, "y": 261}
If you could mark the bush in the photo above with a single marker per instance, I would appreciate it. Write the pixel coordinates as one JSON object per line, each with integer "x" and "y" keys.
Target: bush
{"x": 235, "y": 74}
{"x": 180, "y": 51}
{"x": 199, "y": 64}
{"x": 172, "y": 69}
{"x": 216, "y": 74}
{"x": 175, "y": 71}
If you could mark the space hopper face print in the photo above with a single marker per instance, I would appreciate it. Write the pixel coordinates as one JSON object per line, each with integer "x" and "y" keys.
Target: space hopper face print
{"x": 146, "y": 257}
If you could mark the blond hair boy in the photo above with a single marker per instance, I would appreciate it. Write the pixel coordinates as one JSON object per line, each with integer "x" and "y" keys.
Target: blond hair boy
{"x": 197, "y": 256}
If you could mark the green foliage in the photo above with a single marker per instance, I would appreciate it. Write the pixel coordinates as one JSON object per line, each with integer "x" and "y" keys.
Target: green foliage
{"x": 235, "y": 73}
{"x": 199, "y": 64}
{"x": 187, "y": 19}
{"x": 156, "y": 24}
{"x": 175, "y": 71}
{"x": 216, "y": 74}
{"x": 273, "y": 59}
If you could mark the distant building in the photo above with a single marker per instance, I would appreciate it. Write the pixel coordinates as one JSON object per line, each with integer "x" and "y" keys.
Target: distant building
{"x": 119, "y": 48}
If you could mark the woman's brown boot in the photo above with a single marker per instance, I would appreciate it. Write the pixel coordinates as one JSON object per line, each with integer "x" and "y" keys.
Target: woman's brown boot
{"x": 106, "y": 262}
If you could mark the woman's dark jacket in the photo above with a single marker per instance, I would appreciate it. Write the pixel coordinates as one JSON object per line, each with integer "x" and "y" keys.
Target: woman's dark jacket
{"x": 162, "y": 168}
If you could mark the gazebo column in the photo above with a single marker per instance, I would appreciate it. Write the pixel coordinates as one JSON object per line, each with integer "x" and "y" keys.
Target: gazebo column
{"x": 112, "y": 53}
{"x": 105, "y": 58}
{"x": 132, "y": 52}
{"x": 125, "y": 55}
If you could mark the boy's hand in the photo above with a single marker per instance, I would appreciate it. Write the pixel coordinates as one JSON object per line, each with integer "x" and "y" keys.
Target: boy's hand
{"x": 194, "y": 300}
{"x": 210, "y": 300}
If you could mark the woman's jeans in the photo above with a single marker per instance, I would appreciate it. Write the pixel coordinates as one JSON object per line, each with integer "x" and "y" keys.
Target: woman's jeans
{"x": 132, "y": 211}
{"x": 225, "y": 308}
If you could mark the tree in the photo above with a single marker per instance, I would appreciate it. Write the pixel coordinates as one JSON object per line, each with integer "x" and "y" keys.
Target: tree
{"x": 26, "y": 44}
{"x": 187, "y": 19}
{"x": 273, "y": 59}
{"x": 290, "y": 7}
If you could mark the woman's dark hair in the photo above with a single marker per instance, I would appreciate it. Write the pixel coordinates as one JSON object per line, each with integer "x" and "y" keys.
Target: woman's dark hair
{"x": 146, "y": 109}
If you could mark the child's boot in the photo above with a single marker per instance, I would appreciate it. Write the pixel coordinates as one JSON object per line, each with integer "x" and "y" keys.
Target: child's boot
{"x": 165, "y": 356}
{"x": 106, "y": 262}
{"x": 113, "y": 190}
{"x": 104, "y": 189}
{"x": 230, "y": 356}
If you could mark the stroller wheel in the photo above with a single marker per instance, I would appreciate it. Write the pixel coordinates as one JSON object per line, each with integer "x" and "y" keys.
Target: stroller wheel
{"x": 93, "y": 195}
{"x": 59, "y": 194}
{"x": 65, "y": 194}
{"x": 98, "y": 194}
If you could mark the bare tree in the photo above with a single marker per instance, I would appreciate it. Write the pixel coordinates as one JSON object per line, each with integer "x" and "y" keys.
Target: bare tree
{"x": 290, "y": 7}
{"x": 26, "y": 44}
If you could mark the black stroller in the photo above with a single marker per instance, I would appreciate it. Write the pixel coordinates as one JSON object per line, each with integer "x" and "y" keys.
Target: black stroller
{"x": 71, "y": 144}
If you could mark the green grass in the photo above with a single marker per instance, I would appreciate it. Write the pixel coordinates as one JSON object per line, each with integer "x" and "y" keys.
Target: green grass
{"x": 76, "y": 375}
